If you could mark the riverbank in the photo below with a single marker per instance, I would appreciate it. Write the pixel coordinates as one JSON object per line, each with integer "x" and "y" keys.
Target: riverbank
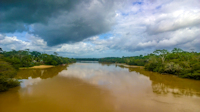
{"x": 125, "y": 65}
{"x": 177, "y": 62}
{"x": 38, "y": 67}
{"x": 143, "y": 67}
{"x": 7, "y": 73}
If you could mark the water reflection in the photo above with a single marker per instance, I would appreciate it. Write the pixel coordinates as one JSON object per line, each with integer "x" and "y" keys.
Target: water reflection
{"x": 102, "y": 75}
{"x": 29, "y": 77}
{"x": 87, "y": 62}
{"x": 127, "y": 88}
{"x": 134, "y": 91}
{"x": 9, "y": 100}
{"x": 40, "y": 73}
{"x": 164, "y": 84}
{"x": 106, "y": 64}
{"x": 59, "y": 95}
{"x": 94, "y": 87}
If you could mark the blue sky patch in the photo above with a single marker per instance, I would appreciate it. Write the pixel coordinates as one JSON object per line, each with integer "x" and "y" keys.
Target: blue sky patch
{"x": 137, "y": 3}
{"x": 105, "y": 35}
{"x": 21, "y": 36}
{"x": 124, "y": 14}
{"x": 159, "y": 7}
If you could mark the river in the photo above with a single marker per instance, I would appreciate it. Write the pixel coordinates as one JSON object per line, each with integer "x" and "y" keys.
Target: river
{"x": 96, "y": 87}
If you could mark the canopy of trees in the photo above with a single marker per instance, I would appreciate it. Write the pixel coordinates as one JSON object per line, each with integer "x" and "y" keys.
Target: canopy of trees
{"x": 25, "y": 58}
{"x": 7, "y": 72}
{"x": 87, "y": 59}
{"x": 135, "y": 60}
{"x": 178, "y": 62}
{"x": 11, "y": 61}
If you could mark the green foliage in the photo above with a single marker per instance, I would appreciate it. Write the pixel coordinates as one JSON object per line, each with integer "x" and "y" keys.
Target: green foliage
{"x": 87, "y": 59}
{"x": 7, "y": 72}
{"x": 54, "y": 62}
{"x": 136, "y": 60}
{"x": 11, "y": 61}
{"x": 178, "y": 62}
{"x": 25, "y": 58}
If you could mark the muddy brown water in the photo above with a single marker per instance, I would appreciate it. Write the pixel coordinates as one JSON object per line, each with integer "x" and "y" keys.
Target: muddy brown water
{"x": 95, "y": 87}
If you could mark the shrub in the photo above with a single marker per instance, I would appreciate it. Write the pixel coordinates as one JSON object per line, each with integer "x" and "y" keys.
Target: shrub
{"x": 7, "y": 72}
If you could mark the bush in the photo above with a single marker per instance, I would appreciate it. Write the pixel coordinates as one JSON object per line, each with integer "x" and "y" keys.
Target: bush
{"x": 54, "y": 62}
{"x": 7, "y": 72}
{"x": 6, "y": 83}
{"x": 172, "y": 68}
{"x": 195, "y": 75}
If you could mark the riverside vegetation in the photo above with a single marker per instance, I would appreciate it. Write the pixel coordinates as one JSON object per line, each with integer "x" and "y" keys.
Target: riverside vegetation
{"x": 178, "y": 62}
{"x": 11, "y": 61}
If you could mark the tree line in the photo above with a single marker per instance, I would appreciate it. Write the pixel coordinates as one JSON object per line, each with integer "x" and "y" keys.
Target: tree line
{"x": 87, "y": 59}
{"x": 178, "y": 62}
{"x": 11, "y": 61}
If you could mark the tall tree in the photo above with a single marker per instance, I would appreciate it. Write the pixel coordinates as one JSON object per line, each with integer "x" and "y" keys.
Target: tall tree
{"x": 162, "y": 54}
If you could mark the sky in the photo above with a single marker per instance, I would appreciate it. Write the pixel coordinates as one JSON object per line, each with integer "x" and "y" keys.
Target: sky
{"x": 99, "y": 28}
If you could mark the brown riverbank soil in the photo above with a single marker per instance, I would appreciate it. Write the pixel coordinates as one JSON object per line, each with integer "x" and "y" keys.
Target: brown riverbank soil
{"x": 38, "y": 67}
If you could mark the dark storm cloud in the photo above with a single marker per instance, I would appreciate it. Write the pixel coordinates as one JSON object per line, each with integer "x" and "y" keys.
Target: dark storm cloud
{"x": 12, "y": 27}
{"x": 31, "y": 11}
{"x": 57, "y": 21}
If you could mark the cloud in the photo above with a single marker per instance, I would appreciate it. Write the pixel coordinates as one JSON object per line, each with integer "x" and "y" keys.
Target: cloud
{"x": 111, "y": 28}
{"x": 38, "y": 44}
{"x": 152, "y": 28}
{"x": 8, "y": 43}
{"x": 16, "y": 11}
{"x": 174, "y": 21}
{"x": 2, "y": 37}
{"x": 58, "y": 21}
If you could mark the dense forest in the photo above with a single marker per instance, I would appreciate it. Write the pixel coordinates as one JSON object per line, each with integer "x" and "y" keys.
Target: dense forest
{"x": 178, "y": 62}
{"x": 87, "y": 59}
{"x": 135, "y": 60}
{"x": 11, "y": 61}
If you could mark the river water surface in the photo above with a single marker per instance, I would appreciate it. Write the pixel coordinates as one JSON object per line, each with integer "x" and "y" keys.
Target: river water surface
{"x": 95, "y": 87}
